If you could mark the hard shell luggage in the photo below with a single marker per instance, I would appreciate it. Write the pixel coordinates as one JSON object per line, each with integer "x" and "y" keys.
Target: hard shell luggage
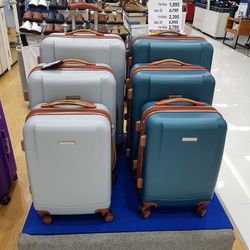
{"x": 170, "y": 44}
{"x": 162, "y": 80}
{"x": 73, "y": 79}
{"x": 180, "y": 153}
{"x": 7, "y": 161}
{"x": 68, "y": 152}
{"x": 94, "y": 47}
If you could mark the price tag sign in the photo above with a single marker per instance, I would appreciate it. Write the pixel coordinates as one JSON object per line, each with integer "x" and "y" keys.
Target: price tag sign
{"x": 164, "y": 15}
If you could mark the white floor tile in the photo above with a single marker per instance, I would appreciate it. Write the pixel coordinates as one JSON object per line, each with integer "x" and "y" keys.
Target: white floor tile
{"x": 231, "y": 70}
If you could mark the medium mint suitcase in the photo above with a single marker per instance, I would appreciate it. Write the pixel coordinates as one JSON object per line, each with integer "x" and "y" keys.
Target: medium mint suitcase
{"x": 180, "y": 153}
{"x": 166, "y": 45}
{"x": 162, "y": 80}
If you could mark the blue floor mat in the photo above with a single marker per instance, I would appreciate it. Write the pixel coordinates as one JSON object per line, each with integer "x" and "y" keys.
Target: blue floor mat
{"x": 125, "y": 203}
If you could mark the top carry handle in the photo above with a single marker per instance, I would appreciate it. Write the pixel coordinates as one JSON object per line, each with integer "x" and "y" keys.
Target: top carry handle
{"x": 80, "y": 103}
{"x": 168, "y": 61}
{"x": 84, "y": 31}
{"x": 179, "y": 100}
{"x": 169, "y": 32}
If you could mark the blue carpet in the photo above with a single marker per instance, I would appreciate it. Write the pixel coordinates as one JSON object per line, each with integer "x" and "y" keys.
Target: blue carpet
{"x": 125, "y": 202}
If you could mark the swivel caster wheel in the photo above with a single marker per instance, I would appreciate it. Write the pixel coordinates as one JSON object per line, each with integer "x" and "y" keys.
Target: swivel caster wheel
{"x": 201, "y": 211}
{"x": 5, "y": 200}
{"x": 145, "y": 212}
{"x": 108, "y": 217}
{"x": 15, "y": 177}
{"x": 47, "y": 219}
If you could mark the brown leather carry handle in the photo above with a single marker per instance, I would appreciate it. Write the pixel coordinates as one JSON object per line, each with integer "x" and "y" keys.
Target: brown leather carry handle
{"x": 169, "y": 32}
{"x": 169, "y": 61}
{"x": 83, "y": 5}
{"x": 84, "y": 31}
{"x": 79, "y": 103}
{"x": 77, "y": 61}
{"x": 176, "y": 100}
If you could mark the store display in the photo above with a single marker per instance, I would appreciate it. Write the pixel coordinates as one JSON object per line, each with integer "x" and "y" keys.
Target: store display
{"x": 28, "y": 16}
{"x": 160, "y": 80}
{"x": 174, "y": 45}
{"x": 53, "y": 5}
{"x": 26, "y": 27}
{"x": 42, "y": 4}
{"x": 73, "y": 79}
{"x": 93, "y": 47}
{"x": 36, "y": 29}
{"x": 50, "y": 18}
{"x": 77, "y": 181}
{"x": 186, "y": 144}
{"x": 7, "y": 161}
{"x": 59, "y": 18}
{"x": 62, "y": 5}
{"x": 37, "y": 17}
{"x": 49, "y": 28}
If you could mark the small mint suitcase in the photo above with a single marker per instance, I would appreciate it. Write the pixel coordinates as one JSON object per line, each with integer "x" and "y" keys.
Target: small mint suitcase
{"x": 68, "y": 150}
{"x": 170, "y": 44}
{"x": 180, "y": 154}
{"x": 161, "y": 80}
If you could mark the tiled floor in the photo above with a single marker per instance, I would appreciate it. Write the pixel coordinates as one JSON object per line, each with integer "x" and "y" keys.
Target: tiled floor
{"x": 231, "y": 70}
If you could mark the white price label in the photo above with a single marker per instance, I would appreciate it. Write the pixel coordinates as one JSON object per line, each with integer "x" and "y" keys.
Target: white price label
{"x": 164, "y": 15}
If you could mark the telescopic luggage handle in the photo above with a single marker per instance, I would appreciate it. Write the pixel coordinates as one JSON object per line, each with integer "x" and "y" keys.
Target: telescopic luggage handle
{"x": 79, "y": 103}
{"x": 169, "y": 61}
{"x": 179, "y": 100}
{"x": 169, "y": 32}
{"x": 84, "y": 31}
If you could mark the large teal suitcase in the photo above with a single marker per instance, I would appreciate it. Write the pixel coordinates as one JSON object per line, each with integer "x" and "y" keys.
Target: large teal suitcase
{"x": 165, "y": 45}
{"x": 162, "y": 80}
{"x": 180, "y": 153}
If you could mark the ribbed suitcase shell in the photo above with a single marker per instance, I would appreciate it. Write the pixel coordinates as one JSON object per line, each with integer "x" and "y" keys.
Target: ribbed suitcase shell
{"x": 7, "y": 160}
{"x": 69, "y": 162}
{"x": 194, "y": 50}
{"x": 166, "y": 80}
{"x": 181, "y": 155}
{"x": 72, "y": 79}
{"x": 107, "y": 49}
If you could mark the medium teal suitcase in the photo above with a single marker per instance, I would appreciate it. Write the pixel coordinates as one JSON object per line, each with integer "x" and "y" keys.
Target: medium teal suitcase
{"x": 166, "y": 45}
{"x": 180, "y": 153}
{"x": 162, "y": 80}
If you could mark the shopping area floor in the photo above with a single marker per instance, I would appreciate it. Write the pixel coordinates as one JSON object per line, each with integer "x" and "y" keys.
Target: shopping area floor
{"x": 232, "y": 98}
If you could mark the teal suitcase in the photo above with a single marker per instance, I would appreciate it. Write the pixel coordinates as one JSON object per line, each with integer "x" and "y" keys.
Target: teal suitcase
{"x": 180, "y": 153}
{"x": 162, "y": 80}
{"x": 166, "y": 45}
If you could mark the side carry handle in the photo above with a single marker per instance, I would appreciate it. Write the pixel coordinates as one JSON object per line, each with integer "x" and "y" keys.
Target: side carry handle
{"x": 169, "y": 61}
{"x": 179, "y": 100}
{"x": 84, "y": 31}
{"x": 79, "y": 103}
{"x": 6, "y": 143}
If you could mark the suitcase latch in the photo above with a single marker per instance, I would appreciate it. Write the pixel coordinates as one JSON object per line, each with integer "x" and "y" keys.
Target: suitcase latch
{"x": 138, "y": 126}
{"x": 130, "y": 94}
{"x": 143, "y": 141}
{"x": 139, "y": 183}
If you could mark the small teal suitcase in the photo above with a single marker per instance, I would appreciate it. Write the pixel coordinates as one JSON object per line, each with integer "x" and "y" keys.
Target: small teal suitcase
{"x": 165, "y": 45}
{"x": 162, "y": 80}
{"x": 180, "y": 153}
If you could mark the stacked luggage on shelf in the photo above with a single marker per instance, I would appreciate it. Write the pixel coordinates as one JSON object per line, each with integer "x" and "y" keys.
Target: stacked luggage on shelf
{"x": 175, "y": 138}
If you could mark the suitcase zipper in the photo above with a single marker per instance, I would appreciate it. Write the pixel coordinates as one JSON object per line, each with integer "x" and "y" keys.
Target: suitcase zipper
{"x": 141, "y": 125}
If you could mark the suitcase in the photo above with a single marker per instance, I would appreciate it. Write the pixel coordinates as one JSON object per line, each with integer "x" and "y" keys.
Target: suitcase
{"x": 7, "y": 161}
{"x": 73, "y": 79}
{"x": 161, "y": 80}
{"x": 180, "y": 153}
{"x": 68, "y": 152}
{"x": 170, "y": 44}
{"x": 94, "y": 47}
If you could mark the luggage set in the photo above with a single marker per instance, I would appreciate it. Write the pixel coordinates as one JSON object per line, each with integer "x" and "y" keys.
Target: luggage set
{"x": 175, "y": 145}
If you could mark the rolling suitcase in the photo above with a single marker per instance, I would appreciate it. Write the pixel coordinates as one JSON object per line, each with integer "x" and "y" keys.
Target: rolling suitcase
{"x": 73, "y": 79}
{"x": 7, "y": 161}
{"x": 161, "y": 80}
{"x": 68, "y": 152}
{"x": 171, "y": 44}
{"x": 94, "y": 47}
{"x": 180, "y": 153}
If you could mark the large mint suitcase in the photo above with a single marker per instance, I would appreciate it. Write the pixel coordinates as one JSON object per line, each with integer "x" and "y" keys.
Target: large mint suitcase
{"x": 166, "y": 45}
{"x": 162, "y": 80}
{"x": 93, "y": 47}
{"x": 7, "y": 161}
{"x": 68, "y": 151}
{"x": 180, "y": 153}
{"x": 73, "y": 79}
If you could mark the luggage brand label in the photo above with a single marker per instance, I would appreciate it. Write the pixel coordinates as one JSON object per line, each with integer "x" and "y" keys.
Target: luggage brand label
{"x": 189, "y": 139}
{"x": 67, "y": 142}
